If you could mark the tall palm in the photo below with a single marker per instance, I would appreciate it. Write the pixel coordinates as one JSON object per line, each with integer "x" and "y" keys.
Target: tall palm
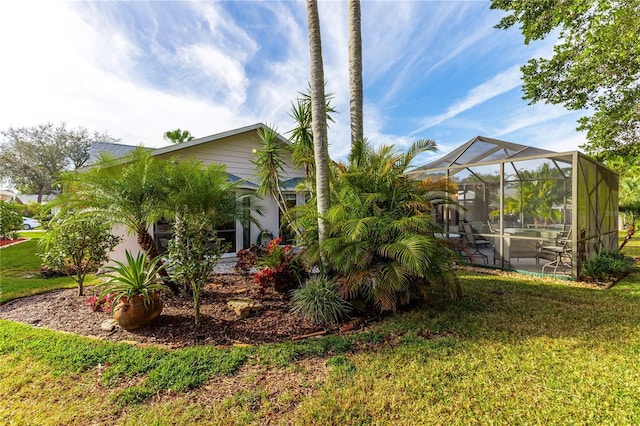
{"x": 381, "y": 241}
{"x": 318, "y": 117}
{"x": 355, "y": 71}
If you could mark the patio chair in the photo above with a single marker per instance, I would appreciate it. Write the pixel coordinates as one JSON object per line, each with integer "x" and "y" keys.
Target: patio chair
{"x": 475, "y": 243}
{"x": 563, "y": 254}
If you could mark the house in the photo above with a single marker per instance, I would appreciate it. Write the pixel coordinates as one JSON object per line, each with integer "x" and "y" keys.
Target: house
{"x": 236, "y": 149}
{"x": 7, "y": 195}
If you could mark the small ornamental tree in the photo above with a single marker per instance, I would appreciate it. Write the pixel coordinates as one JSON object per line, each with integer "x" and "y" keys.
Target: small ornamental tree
{"x": 10, "y": 220}
{"x": 77, "y": 245}
{"x": 200, "y": 199}
{"x": 194, "y": 251}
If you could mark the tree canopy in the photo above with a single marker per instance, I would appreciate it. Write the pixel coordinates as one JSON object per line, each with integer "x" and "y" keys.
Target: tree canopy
{"x": 32, "y": 157}
{"x": 595, "y": 65}
{"x": 178, "y": 136}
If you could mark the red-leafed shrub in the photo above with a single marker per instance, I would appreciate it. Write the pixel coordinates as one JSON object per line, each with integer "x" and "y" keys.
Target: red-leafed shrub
{"x": 104, "y": 303}
{"x": 279, "y": 268}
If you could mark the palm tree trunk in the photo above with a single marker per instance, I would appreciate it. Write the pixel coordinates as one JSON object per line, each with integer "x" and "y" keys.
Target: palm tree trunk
{"x": 146, "y": 243}
{"x": 318, "y": 117}
{"x": 355, "y": 71}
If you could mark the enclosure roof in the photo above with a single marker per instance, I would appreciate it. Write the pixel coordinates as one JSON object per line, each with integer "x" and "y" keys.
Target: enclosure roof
{"x": 483, "y": 149}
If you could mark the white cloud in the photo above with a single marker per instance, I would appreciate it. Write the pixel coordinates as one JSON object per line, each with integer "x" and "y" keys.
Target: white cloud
{"x": 499, "y": 84}
{"x": 200, "y": 66}
{"x": 530, "y": 115}
{"x": 228, "y": 82}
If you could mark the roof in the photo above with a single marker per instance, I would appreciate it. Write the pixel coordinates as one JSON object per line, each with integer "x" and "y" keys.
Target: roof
{"x": 213, "y": 138}
{"x": 482, "y": 149}
{"x": 291, "y": 184}
{"x": 115, "y": 149}
{"x": 244, "y": 184}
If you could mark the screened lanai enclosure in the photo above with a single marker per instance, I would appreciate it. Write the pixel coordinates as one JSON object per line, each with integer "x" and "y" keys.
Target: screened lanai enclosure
{"x": 525, "y": 208}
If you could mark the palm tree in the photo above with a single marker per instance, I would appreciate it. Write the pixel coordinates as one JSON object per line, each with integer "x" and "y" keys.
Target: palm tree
{"x": 200, "y": 199}
{"x": 269, "y": 165}
{"x": 380, "y": 241}
{"x": 178, "y": 136}
{"x": 128, "y": 191}
{"x": 318, "y": 117}
{"x": 355, "y": 71}
{"x": 302, "y": 134}
{"x": 539, "y": 196}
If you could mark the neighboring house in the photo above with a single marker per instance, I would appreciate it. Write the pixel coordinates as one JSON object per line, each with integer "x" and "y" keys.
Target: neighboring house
{"x": 235, "y": 149}
{"x": 33, "y": 198}
{"x": 7, "y": 195}
{"x": 115, "y": 149}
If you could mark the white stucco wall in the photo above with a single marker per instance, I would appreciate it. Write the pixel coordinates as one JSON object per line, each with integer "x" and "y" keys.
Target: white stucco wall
{"x": 128, "y": 242}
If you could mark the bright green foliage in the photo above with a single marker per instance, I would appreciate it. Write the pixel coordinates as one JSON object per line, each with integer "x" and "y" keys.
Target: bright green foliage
{"x": 77, "y": 245}
{"x": 138, "y": 275}
{"x": 607, "y": 264}
{"x": 538, "y": 195}
{"x": 320, "y": 300}
{"x": 628, "y": 167}
{"x": 127, "y": 191}
{"x": 595, "y": 65}
{"x": 194, "y": 251}
{"x": 200, "y": 199}
{"x": 269, "y": 165}
{"x": 380, "y": 243}
{"x": 178, "y": 136}
{"x": 10, "y": 219}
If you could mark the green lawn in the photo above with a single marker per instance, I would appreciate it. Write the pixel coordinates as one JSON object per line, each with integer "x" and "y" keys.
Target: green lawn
{"x": 516, "y": 350}
{"x": 19, "y": 265}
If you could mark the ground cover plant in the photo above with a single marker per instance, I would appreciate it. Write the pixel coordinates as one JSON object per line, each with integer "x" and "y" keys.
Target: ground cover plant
{"x": 515, "y": 350}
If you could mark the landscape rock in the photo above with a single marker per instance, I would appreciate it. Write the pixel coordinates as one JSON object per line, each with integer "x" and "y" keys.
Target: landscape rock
{"x": 243, "y": 306}
{"x": 108, "y": 325}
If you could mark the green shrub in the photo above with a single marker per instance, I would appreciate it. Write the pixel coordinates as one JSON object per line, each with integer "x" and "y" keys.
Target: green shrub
{"x": 77, "y": 245}
{"x": 380, "y": 243}
{"x": 194, "y": 251}
{"x": 607, "y": 264}
{"x": 279, "y": 269}
{"x": 319, "y": 300}
{"x": 10, "y": 220}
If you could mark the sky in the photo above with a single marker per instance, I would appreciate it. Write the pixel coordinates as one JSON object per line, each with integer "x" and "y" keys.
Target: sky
{"x": 431, "y": 70}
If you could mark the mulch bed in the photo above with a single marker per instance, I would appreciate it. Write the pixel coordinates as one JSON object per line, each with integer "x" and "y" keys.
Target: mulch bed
{"x": 9, "y": 242}
{"x": 64, "y": 310}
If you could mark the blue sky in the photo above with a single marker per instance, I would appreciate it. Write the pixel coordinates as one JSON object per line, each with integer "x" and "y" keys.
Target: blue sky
{"x": 432, "y": 69}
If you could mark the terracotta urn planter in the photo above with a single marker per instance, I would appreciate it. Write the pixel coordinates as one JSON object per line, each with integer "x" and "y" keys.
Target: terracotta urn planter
{"x": 134, "y": 313}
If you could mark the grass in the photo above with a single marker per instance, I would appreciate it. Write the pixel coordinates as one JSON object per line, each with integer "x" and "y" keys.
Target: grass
{"x": 19, "y": 265}
{"x": 516, "y": 350}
